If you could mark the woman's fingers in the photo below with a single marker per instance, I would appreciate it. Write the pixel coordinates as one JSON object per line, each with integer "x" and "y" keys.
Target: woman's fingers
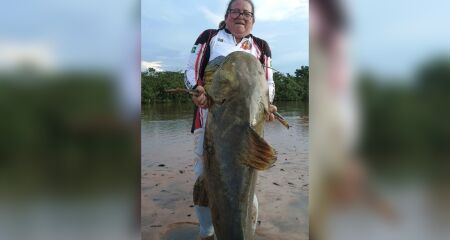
{"x": 272, "y": 108}
{"x": 269, "y": 115}
{"x": 200, "y": 100}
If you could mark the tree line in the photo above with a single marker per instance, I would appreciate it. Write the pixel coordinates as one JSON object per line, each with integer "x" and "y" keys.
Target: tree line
{"x": 153, "y": 85}
{"x": 407, "y": 122}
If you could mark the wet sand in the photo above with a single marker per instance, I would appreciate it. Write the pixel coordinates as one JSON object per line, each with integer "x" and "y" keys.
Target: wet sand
{"x": 282, "y": 191}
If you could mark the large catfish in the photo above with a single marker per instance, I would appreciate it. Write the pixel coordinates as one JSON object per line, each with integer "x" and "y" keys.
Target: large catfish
{"x": 234, "y": 148}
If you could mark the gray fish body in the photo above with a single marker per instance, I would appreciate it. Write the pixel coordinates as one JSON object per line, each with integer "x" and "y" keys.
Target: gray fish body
{"x": 233, "y": 145}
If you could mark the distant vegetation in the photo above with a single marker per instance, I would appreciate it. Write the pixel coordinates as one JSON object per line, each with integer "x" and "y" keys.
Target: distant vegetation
{"x": 153, "y": 85}
{"x": 407, "y": 122}
{"x": 64, "y": 134}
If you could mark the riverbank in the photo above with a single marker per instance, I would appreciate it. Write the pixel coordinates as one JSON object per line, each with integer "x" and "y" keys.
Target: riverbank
{"x": 168, "y": 178}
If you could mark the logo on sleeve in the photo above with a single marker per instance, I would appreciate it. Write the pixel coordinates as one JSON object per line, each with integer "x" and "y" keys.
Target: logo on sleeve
{"x": 220, "y": 39}
{"x": 193, "y": 49}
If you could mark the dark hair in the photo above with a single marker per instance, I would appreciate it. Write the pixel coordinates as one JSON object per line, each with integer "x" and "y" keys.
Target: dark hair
{"x": 222, "y": 23}
{"x": 334, "y": 19}
{"x": 332, "y": 13}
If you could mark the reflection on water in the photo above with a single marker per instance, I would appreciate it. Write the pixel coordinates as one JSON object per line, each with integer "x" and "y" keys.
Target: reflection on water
{"x": 167, "y": 111}
{"x": 167, "y": 176}
{"x": 170, "y": 123}
{"x": 165, "y": 130}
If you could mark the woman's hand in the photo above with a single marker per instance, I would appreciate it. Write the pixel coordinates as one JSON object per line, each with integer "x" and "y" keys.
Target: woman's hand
{"x": 269, "y": 115}
{"x": 200, "y": 100}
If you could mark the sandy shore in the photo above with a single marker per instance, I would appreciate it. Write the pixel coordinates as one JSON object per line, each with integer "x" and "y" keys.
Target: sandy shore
{"x": 282, "y": 191}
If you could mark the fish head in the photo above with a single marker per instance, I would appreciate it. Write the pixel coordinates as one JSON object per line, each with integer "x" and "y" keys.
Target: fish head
{"x": 225, "y": 84}
{"x": 241, "y": 77}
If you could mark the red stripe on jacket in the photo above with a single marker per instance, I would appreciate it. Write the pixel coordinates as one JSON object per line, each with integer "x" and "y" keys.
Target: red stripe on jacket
{"x": 267, "y": 68}
{"x": 197, "y": 61}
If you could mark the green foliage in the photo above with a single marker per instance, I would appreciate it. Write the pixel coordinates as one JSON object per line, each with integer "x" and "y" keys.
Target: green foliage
{"x": 154, "y": 84}
{"x": 407, "y": 128}
{"x": 292, "y": 88}
{"x": 64, "y": 133}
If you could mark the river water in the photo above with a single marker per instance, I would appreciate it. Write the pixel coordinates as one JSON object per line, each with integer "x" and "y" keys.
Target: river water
{"x": 168, "y": 178}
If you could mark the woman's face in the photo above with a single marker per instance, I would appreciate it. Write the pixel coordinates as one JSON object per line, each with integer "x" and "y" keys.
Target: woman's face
{"x": 241, "y": 25}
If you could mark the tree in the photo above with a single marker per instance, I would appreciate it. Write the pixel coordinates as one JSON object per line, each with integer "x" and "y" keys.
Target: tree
{"x": 154, "y": 84}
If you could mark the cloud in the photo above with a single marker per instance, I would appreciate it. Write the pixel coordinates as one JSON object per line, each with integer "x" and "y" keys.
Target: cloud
{"x": 157, "y": 65}
{"x": 34, "y": 54}
{"x": 269, "y": 10}
{"x": 213, "y": 17}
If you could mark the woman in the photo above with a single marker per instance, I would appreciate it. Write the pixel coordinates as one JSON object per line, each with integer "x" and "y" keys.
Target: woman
{"x": 234, "y": 34}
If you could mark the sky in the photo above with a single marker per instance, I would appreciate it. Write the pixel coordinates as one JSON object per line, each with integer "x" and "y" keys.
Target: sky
{"x": 392, "y": 38}
{"x": 169, "y": 29}
{"x": 73, "y": 34}
{"x": 388, "y": 37}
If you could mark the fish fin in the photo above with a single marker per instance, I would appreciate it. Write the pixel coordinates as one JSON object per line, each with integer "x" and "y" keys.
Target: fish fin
{"x": 259, "y": 154}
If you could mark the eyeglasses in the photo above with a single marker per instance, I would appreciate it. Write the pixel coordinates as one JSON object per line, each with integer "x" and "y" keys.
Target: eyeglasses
{"x": 235, "y": 13}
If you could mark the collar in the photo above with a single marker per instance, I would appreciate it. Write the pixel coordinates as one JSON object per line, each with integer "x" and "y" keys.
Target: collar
{"x": 228, "y": 31}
